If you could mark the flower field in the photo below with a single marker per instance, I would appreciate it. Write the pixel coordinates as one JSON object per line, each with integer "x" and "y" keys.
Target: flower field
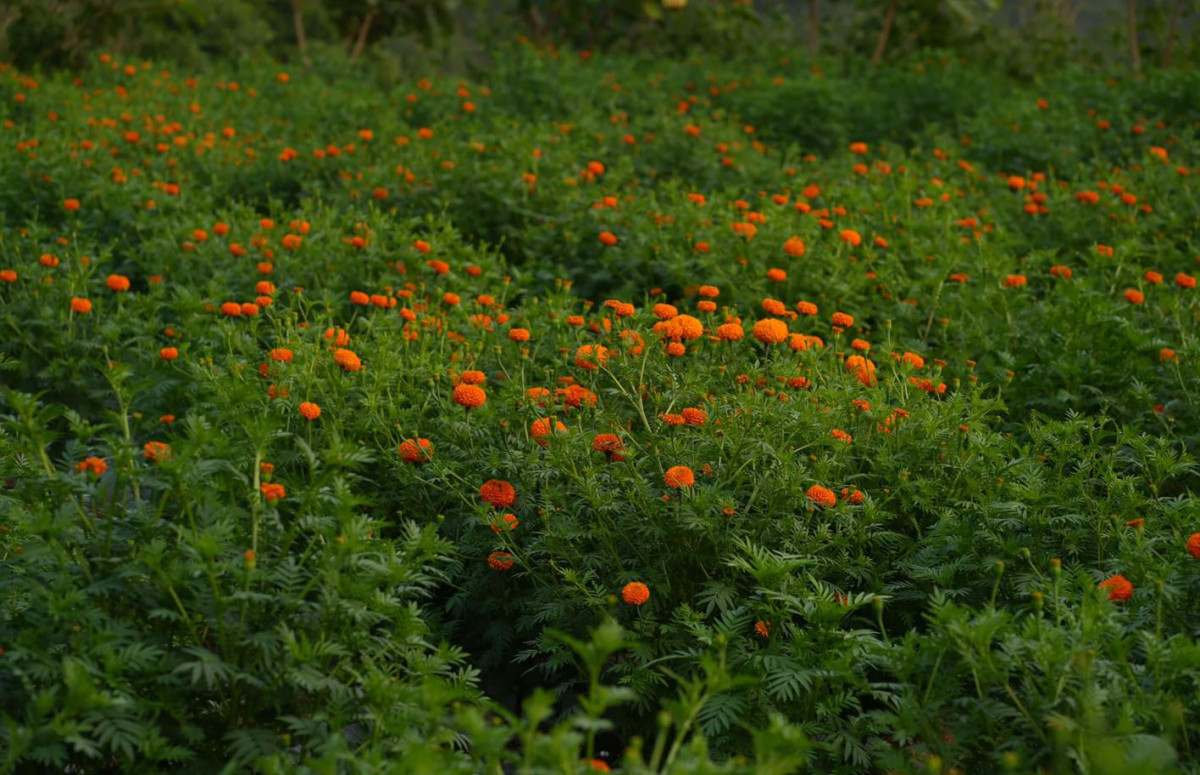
{"x": 602, "y": 413}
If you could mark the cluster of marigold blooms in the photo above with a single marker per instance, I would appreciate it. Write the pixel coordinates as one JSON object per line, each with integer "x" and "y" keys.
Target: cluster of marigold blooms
{"x": 677, "y": 331}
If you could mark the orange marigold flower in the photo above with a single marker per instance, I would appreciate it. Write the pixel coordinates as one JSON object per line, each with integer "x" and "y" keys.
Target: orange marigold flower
{"x": 518, "y": 335}
{"x": 776, "y": 275}
{"x": 1061, "y": 270}
{"x": 499, "y": 493}
{"x": 71, "y": 205}
{"x": 1193, "y": 545}
{"x": 543, "y": 427}
{"x": 679, "y": 477}
{"x": 1185, "y": 280}
{"x": 608, "y": 238}
{"x": 81, "y": 306}
{"x": 591, "y": 356}
{"x": 1014, "y": 280}
{"x": 709, "y": 291}
{"x": 450, "y": 299}
{"x": 273, "y": 491}
{"x": 607, "y": 443}
{"x": 858, "y": 148}
{"x": 156, "y": 451}
{"x": 774, "y": 307}
{"x": 770, "y": 331}
{"x": 117, "y": 283}
{"x": 842, "y": 320}
{"x": 806, "y": 308}
{"x": 1119, "y": 588}
{"x": 93, "y": 465}
{"x": 706, "y": 306}
{"x": 309, "y": 410}
{"x": 695, "y": 416}
{"x": 338, "y": 336}
{"x": 762, "y": 629}
{"x": 1134, "y": 296}
{"x": 635, "y": 593}
{"x": 8, "y": 276}
{"x": 359, "y": 298}
{"x": 1166, "y": 355}
{"x": 500, "y": 561}
{"x": 416, "y": 450}
{"x": 168, "y": 353}
{"x": 665, "y": 311}
{"x": 472, "y": 377}
{"x": 507, "y": 521}
{"x": 730, "y": 332}
{"x": 469, "y": 396}
{"x": 851, "y": 237}
{"x": 795, "y": 247}
{"x": 347, "y": 359}
{"x": 280, "y": 355}
{"x": 822, "y": 496}
{"x": 231, "y": 309}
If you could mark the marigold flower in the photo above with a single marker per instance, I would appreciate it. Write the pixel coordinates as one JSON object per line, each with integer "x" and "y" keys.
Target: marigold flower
{"x": 608, "y": 238}
{"x": 80, "y": 306}
{"x": 795, "y": 247}
{"x": 635, "y": 593}
{"x": 591, "y": 356}
{"x": 1185, "y": 280}
{"x": 499, "y": 493}
{"x": 1062, "y": 271}
{"x": 842, "y": 320}
{"x": 1119, "y": 588}
{"x": 762, "y": 629}
{"x": 416, "y": 450}
{"x": 168, "y": 353}
{"x": 1193, "y": 545}
{"x": 309, "y": 410}
{"x": 858, "y": 148}
{"x": 679, "y": 477}
{"x": 500, "y": 561}
{"x": 71, "y": 205}
{"x": 665, "y": 311}
{"x": 469, "y": 396}
{"x": 231, "y": 309}
{"x": 770, "y": 331}
{"x": 822, "y": 496}
{"x": 543, "y": 427}
{"x": 1014, "y": 280}
{"x": 709, "y": 291}
{"x": 730, "y": 332}
{"x": 8, "y": 276}
{"x": 507, "y": 521}
{"x": 607, "y": 443}
{"x": 117, "y": 283}
{"x": 273, "y": 491}
{"x": 694, "y": 416}
{"x": 156, "y": 451}
{"x": 92, "y": 465}
{"x": 1134, "y": 296}
{"x": 518, "y": 335}
{"x": 776, "y": 275}
{"x": 347, "y": 359}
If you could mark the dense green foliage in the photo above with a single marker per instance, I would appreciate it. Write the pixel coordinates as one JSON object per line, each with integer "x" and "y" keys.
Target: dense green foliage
{"x": 923, "y": 339}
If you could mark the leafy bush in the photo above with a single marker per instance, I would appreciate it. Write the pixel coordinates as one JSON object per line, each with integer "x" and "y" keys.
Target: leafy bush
{"x": 605, "y": 411}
